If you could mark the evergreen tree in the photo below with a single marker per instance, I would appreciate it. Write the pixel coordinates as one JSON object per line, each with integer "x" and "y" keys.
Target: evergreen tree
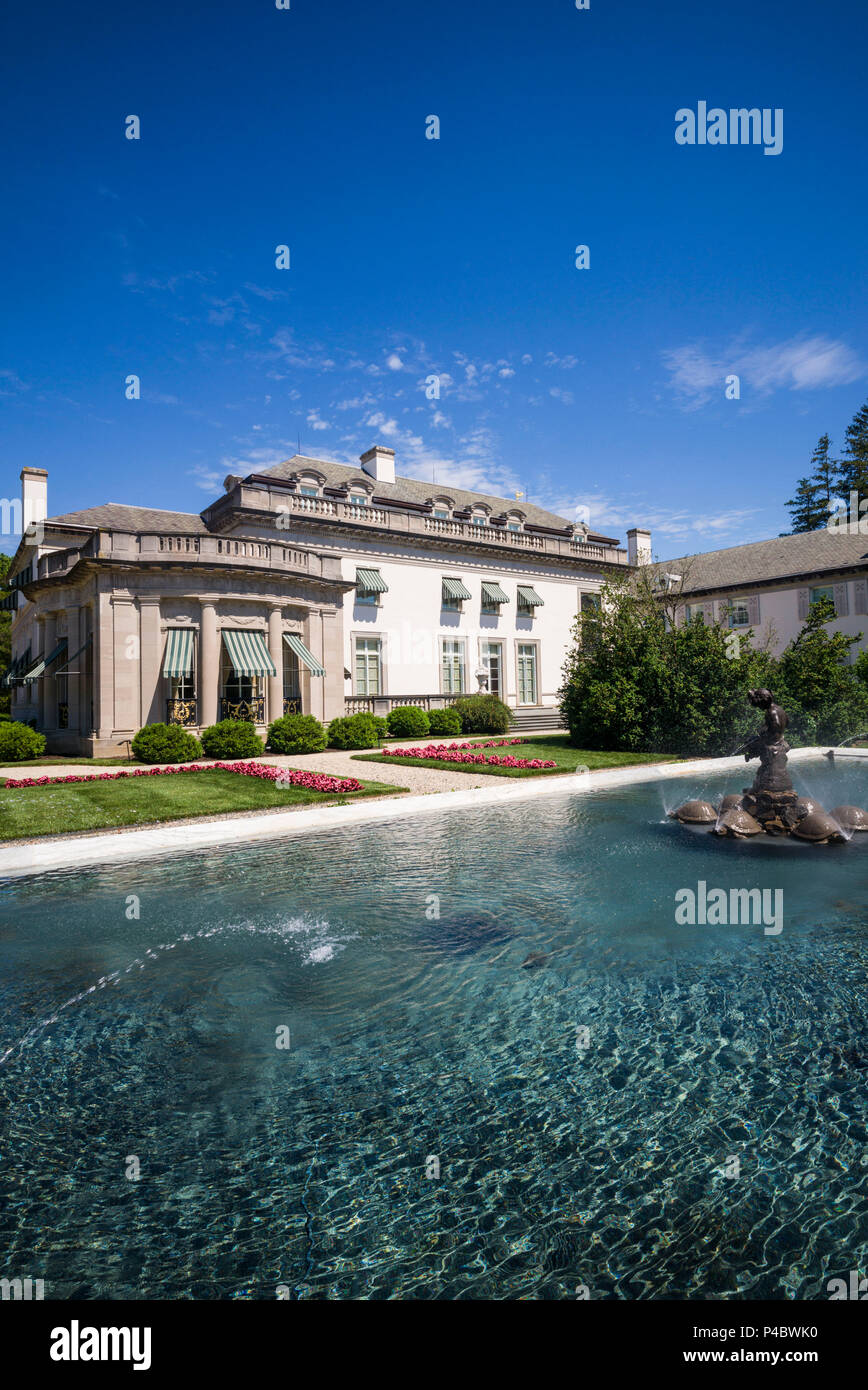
{"x": 807, "y": 509}
{"x": 825, "y": 475}
{"x": 853, "y": 465}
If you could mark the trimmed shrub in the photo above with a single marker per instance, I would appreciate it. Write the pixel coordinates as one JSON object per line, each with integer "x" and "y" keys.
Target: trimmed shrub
{"x": 444, "y": 721}
{"x": 353, "y": 731}
{"x": 482, "y": 714}
{"x": 296, "y": 733}
{"x": 165, "y": 743}
{"x": 381, "y": 725}
{"x": 18, "y": 742}
{"x": 408, "y": 721}
{"x": 232, "y": 738}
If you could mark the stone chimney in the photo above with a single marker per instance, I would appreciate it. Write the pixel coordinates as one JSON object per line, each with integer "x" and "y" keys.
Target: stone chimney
{"x": 34, "y": 496}
{"x": 379, "y": 463}
{"x": 638, "y": 546}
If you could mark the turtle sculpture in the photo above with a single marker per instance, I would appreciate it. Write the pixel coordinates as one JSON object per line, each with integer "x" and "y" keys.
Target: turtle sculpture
{"x": 772, "y": 806}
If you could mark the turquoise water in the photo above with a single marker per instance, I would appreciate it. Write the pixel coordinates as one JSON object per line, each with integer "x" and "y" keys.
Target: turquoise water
{"x": 303, "y": 1172}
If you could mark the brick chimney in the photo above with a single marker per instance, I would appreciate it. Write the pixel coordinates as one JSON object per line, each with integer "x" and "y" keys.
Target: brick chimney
{"x": 34, "y": 496}
{"x": 638, "y": 546}
{"x": 379, "y": 463}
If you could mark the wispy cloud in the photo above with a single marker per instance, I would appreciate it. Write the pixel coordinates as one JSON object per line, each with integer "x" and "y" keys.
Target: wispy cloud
{"x": 802, "y": 363}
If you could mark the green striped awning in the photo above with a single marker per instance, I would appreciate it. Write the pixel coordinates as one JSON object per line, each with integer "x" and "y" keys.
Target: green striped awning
{"x": 492, "y": 592}
{"x": 248, "y": 653}
{"x": 296, "y": 645}
{"x": 370, "y": 582}
{"x": 453, "y": 588}
{"x": 528, "y": 597}
{"x": 179, "y": 652}
{"x": 39, "y": 669}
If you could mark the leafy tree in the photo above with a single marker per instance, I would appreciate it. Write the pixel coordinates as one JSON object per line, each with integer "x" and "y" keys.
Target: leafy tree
{"x": 645, "y": 684}
{"x": 853, "y": 464}
{"x": 822, "y": 693}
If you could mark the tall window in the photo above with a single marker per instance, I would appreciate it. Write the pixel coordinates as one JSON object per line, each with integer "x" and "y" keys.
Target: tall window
{"x": 453, "y": 667}
{"x": 492, "y": 660}
{"x": 368, "y": 666}
{"x": 291, "y": 682}
{"x": 738, "y": 615}
{"x": 237, "y": 688}
{"x": 527, "y": 681}
{"x": 824, "y": 591}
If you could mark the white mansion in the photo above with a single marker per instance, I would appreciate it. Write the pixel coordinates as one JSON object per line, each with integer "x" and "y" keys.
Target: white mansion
{"x": 311, "y": 586}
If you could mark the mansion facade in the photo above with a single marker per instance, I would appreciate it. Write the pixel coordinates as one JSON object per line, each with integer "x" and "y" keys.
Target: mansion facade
{"x": 311, "y": 587}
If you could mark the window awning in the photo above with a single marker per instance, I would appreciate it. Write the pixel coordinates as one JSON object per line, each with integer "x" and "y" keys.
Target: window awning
{"x": 528, "y": 597}
{"x": 248, "y": 653}
{"x": 370, "y": 582}
{"x": 39, "y": 669}
{"x": 453, "y": 588}
{"x": 179, "y": 652}
{"x": 492, "y": 592}
{"x": 64, "y": 669}
{"x": 296, "y": 645}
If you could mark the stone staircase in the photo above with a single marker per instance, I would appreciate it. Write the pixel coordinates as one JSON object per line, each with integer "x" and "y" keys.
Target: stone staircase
{"x": 527, "y": 720}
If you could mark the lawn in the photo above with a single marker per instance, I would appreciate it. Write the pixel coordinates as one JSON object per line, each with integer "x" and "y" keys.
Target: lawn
{"x": 94, "y": 805}
{"x": 545, "y": 746}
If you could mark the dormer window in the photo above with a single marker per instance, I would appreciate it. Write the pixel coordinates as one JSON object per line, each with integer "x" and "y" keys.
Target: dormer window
{"x": 513, "y": 522}
{"x": 441, "y": 513}
{"x": 307, "y": 490}
{"x": 358, "y": 499}
{"x": 479, "y": 519}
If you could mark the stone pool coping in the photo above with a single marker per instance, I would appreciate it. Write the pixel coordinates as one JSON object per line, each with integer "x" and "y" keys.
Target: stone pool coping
{"x": 124, "y": 844}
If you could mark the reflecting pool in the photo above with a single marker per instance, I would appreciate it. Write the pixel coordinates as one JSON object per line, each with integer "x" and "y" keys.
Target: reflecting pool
{"x": 326, "y": 1068}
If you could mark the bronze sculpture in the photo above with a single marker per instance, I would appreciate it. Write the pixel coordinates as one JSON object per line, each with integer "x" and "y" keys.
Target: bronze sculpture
{"x": 772, "y": 804}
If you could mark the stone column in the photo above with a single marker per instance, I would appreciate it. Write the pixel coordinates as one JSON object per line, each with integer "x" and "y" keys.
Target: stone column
{"x": 312, "y": 686}
{"x": 48, "y": 684}
{"x": 209, "y": 665}
{"x": 274, "y": 698}
{"x": 75, "y": 659}
{"x": 34, "y": 688}
{"x": 333, "y": 660}
{"x": 150, "y": 661}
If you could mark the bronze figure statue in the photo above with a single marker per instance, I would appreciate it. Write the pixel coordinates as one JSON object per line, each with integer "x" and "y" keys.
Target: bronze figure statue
{"x": 770, "y": 746}
{"x": 772, "y": 804}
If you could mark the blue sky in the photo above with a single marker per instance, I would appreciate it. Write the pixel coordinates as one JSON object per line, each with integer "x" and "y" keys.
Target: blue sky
{"x": 410, "y": 257}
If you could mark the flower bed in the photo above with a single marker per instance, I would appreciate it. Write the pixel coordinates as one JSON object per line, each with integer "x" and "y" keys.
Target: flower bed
{"x": 458, "y": 753}
{"x": 313, "y": 781}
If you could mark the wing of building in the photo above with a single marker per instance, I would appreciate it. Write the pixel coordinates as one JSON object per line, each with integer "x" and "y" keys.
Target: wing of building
{"x": 770, "y": 585}
{"x": 312, "y": 587}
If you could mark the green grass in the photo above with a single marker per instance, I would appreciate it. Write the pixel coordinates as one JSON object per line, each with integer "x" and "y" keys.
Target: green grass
{"x": 546, "y": 746}
{"x": 93, "y": 805}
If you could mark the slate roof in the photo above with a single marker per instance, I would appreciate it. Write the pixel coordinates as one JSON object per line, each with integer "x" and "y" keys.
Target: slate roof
{"x": 116, "y": 516}
{"x": 783, "y": 558}
{"x": 412, "y": 490}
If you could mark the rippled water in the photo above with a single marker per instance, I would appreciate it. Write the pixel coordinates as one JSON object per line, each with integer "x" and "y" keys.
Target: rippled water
{"x": 304, "y": 1172}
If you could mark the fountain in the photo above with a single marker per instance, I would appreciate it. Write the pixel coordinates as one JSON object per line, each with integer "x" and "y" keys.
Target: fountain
{"x": 772, "y": 806}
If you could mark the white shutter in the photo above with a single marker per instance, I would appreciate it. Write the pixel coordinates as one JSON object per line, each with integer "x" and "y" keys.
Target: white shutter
{"x": 803, "y": 603}
{"x": 753, "y": 610}
{"x": 860, "y": 596}
{"x": 842, "y": 607}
